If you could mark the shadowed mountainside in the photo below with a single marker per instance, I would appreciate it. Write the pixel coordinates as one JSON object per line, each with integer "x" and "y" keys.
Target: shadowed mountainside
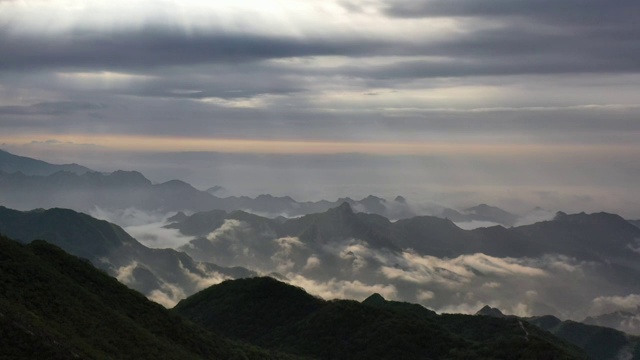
{"x": 56, "y": 306}
{"x": 164, "y": 272}
{"x": 598, "y": 342}
{"x": 266, "y": 312}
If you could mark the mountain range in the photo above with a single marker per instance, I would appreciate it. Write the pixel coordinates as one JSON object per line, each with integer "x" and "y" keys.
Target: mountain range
{"x": 27, "y": 183}
{"x": 589, "y": 237}
{"x": 346, "y": 249}
{"x": 421, "y": 259}
{"x": 164, "y": 275}
{"x": 10, "y": 163}
{"x": 50, "y": 299}
{"x": 427, "y": 258}
{"x": 58, "y": 306}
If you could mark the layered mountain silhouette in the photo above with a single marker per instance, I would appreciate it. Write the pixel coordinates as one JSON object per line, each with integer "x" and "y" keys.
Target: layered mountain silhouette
{"x": 10, "y": 163}
{"x": 117, "y": 190}
{"x": 27, "y": 183}
{"x": 583, "y": 236}
{"x": 340, "y": 245}
{"x": 56, "y": 306}
{"x": 163, "y": 273}
{"x": 219, "y": 236}
{"x": 348, "y": 247}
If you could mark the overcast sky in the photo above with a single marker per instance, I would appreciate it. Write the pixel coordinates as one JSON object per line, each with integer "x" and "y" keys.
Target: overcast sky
{"x": 512, "y": 102}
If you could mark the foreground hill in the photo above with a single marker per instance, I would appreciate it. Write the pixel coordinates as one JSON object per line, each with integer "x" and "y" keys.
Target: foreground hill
{"x": 269, "y": 313}
{"x": 57, "y": 306}
{"x": 163, "y": 274}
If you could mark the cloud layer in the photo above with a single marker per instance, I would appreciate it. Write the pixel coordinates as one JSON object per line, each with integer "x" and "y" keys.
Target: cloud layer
{"x": 350, "y": 268}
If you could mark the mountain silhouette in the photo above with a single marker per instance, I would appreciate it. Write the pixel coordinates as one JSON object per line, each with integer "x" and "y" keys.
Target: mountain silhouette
{"x": 57, "y": 306}
{"x": 110, "y": 248}
{"x": 269, "y": 313}
{"x": 10, "y": 163}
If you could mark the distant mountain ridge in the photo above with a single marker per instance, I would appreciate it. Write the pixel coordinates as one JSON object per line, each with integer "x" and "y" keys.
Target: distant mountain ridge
{"x": 10, "y": 163}
{"x": 599, "y": 342}
{"x": 354, "y": 246}
{"x": 27, "y": 183}
{"x": 584, "y": 236}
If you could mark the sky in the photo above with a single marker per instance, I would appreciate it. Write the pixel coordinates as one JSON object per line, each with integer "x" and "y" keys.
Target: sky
{"x": 518, "y": 103}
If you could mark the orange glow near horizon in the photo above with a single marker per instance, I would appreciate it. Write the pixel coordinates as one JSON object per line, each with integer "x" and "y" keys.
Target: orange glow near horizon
{"x": 115, "y": 143}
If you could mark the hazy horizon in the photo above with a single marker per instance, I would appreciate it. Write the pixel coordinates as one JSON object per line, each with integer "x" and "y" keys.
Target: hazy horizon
{"x": 329, "y": 177}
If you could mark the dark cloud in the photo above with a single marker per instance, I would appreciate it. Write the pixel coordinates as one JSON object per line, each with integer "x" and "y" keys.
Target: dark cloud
{"x": 158, "y": 46}
{"x": 578, "y": 12}
{"x": 496, "y": 37}
{"x": 51, "y": 108}
{"x": 506, "y": 37}
{"x": 508, "y": 65}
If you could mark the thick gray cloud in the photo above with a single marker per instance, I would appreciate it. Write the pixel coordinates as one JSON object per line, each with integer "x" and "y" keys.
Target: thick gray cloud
{"x": 503, "y": 37}
{"x": 494, "y": 37}
{"x": 158, "y": 46}
{"x": 580, "y": 12}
